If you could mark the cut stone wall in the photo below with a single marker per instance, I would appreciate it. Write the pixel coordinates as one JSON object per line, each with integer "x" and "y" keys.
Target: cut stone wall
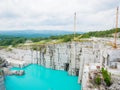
{"x": 57, "y": 56}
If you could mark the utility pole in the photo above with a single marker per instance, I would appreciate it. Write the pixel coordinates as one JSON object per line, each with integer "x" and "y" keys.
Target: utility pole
{"x": 74, "y": 24}
{"x": 115, "y": 36}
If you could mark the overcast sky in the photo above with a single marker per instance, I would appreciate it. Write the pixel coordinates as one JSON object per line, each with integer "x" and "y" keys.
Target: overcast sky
{"x": 57, "y": 14}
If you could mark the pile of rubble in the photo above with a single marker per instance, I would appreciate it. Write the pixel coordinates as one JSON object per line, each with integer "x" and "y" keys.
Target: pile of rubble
{"x": 116, "y": 83}
{"x": 7, "y": 71}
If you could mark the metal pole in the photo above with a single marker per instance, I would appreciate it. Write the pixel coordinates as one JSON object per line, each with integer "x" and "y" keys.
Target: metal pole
{"x": 115, "y": 36}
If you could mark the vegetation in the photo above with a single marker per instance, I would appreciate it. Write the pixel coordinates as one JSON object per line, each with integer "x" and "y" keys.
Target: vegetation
{"x": 34, "y": 48}
{"x": 106, "y": 76}
{"x": 1, "y": 72}
{"x": 10, "y": 40}
{"x": 105, "y": 33}
{"x": 98, "y": 80}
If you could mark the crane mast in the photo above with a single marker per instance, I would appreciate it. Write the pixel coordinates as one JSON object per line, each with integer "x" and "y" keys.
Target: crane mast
{"x": 74, "y": 24}
{"x": 115, "y": 36}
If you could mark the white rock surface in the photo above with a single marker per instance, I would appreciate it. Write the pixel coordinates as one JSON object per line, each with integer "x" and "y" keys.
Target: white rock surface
{"x": 2, "y": 85}
{"x": 71, "y": 56}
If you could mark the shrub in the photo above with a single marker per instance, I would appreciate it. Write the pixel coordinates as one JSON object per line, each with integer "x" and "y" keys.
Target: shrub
{"x": 106, "y": 76}
{"x": 67, "y": 39}
{"x": 98, "y": 80}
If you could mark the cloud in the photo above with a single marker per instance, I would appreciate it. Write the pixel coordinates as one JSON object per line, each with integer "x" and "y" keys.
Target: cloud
{"x": 57, "y": 14}
{"x": 8, "y": 15}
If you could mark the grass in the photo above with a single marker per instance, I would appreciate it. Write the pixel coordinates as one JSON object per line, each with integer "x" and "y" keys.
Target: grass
{"x": 49, "y": 42}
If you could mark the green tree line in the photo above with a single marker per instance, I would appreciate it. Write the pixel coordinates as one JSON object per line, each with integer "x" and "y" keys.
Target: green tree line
{"x": 10, "y": 40}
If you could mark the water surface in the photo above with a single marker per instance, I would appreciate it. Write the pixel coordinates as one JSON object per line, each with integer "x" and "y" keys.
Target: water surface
{"x": 40, "y": 78}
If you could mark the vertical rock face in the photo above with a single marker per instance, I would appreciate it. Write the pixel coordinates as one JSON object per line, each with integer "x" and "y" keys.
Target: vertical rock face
{"x": 52, "y": 56}
{"x": 2, "y": 85}
{"x": 2, "y": 63}
{"x": 66, "y": 56}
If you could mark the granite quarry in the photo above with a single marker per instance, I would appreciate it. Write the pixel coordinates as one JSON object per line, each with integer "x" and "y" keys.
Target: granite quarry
{"x": 77, "y": 58}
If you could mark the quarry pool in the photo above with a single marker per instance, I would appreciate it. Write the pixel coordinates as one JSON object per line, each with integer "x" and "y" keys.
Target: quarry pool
{"x": 40, "y": 78}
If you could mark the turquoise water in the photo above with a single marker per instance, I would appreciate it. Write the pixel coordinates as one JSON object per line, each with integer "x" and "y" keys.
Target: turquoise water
{"x": 40, "y": 78}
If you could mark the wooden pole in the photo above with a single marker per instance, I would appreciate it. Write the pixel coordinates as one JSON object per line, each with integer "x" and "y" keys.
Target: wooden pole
{"x": 115, "y": 36}
{"x": 74, "y": 24}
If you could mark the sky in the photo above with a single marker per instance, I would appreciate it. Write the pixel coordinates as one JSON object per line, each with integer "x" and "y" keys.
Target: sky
{"x": 92, "y": 15}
